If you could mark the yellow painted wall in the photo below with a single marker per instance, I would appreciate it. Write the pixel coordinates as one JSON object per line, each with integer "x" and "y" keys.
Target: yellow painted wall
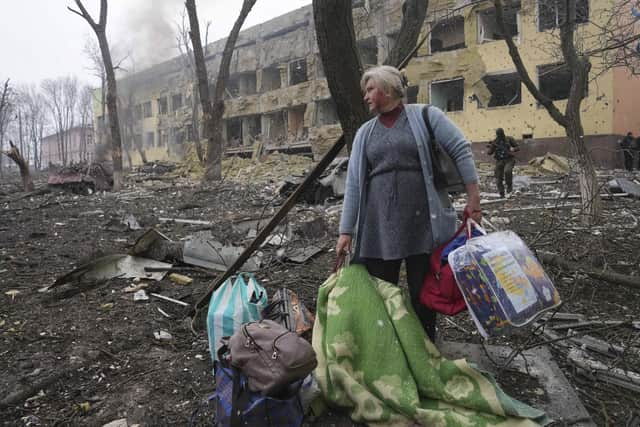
{"x": 478, "y": 59}
{"x": 626, "y": 90}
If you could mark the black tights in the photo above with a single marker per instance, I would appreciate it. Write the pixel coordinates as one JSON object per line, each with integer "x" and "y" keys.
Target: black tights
{"x": 417, "y": 267}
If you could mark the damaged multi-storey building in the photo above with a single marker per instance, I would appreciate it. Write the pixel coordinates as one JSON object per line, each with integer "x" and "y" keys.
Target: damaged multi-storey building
{"x": 277, "y": 92}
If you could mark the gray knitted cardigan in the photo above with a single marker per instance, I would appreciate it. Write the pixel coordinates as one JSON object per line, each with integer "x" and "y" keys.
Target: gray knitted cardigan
{"x": 450, "y": 138}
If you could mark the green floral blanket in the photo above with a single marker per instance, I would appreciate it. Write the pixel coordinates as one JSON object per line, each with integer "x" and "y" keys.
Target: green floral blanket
{"x": 375, "y": 359}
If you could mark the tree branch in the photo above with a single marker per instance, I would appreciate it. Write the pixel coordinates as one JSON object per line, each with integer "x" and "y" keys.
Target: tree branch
{"x": 522, "y": 70}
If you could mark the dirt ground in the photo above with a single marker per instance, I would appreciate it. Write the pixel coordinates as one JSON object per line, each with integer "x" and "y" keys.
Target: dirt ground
{"x": 88, "y": 351}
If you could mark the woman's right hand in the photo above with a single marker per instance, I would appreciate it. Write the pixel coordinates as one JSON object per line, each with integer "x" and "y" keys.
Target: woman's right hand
{"x": 343, "y": 247}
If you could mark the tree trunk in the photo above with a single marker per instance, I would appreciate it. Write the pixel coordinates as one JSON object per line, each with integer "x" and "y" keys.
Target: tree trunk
{"x": 588, "y": 181}
{"x": 195, "y": 126}
{"x": 112, "y": 93}
{"x": 413, "y": 15}
{"x": 341, "y": 62}
{"x": 14, "y": 154}
{"x": 112, "y": 108}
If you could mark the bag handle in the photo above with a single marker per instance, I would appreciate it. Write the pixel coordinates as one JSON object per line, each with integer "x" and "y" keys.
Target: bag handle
{"x": 342, "y": 261}
{"x": 467, "y": 223}
{"x": 437, "y": 254}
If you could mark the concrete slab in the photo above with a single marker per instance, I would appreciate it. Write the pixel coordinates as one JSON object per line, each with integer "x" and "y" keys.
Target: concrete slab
{"x": 560, "y": 400}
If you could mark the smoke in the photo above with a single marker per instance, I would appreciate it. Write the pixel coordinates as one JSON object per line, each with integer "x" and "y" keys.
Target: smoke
{"x": 149, "y": 31}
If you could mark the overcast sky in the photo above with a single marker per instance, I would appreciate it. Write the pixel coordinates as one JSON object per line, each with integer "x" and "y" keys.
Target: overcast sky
{"x": 41, "y": 39}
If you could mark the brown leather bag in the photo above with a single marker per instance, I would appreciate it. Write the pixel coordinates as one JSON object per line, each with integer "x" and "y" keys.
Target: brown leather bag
{"x": 271, "y": 356}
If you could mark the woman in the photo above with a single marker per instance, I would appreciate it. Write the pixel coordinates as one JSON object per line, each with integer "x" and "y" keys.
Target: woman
{"x": 392, "y": 212}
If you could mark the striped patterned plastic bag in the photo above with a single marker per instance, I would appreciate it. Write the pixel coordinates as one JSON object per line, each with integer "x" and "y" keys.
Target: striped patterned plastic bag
{"x": 231, "y": 305}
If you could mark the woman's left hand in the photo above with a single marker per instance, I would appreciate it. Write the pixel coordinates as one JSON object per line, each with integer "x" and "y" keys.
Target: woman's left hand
{"x": 472, "y": 210}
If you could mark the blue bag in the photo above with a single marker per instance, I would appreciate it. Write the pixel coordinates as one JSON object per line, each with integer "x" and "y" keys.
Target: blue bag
{"x": 231, "y": 305}
{"x": 236, "y": 405}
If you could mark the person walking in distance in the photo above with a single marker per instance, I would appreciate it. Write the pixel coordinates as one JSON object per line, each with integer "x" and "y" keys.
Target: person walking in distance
{"x": 627, "y": 150}
{"x": 502, "y": 149}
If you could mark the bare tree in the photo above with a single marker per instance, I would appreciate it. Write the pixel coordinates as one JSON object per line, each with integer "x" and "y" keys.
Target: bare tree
{"x": 112, "y": 96}
{"x": 212, "y": 111}
{"x": 92, "y": 50}
{"x": 577, "y": 61}
{"x": 6, "y": 113}
{"x": 85, "y": 115}
{"x": 188, "y": 59}
{"x": 61, "y": 95}
{"x": 36, "y": 121}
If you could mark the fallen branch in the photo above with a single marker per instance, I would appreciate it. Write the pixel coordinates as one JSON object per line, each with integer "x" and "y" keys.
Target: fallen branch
{"x": 627, "y": 379}
{"x": 15, "y": 155}
{"x": 608, "y": 276}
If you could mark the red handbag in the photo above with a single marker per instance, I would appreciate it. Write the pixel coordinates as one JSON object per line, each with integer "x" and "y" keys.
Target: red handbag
{"x": 440, "y": 291}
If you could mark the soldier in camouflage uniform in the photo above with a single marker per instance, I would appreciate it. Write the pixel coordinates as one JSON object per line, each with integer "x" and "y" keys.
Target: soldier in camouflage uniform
{"x": 502, "y": 149}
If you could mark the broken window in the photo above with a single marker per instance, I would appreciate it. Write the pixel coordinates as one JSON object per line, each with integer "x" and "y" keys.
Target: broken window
{"x": 326, "y": 113}
{"x": 178, "y": 136}
{"x": 391, "y": 40}
{"x": 274, "y": 126}
{"x": 368, "y": 50}
{"x": 251, "y": 128}
{"x": 146, "y": 109}
{"x": 163, "y": 138}
{"x": 412, "y": 94}
{"x": 488, "y": 28}
{"x": 271, "y": 79}
{"x": 448, "y": 95}
{"x": 505, "y": 89}
{"x": 447, "y": 35}
{"x": 295, "y": 123}
{"x": 234, "y": 132}
{"x": 554, "y": 81}
{"x": 176, "y": 101}
{"x": 150, "y": 142}
{"x": 553, "y": 13}
{"x": 233, "y": 89}
{"x": 246, "y": 83}
{"x": 297, "y": 71}
{"x": 162, "y": 105}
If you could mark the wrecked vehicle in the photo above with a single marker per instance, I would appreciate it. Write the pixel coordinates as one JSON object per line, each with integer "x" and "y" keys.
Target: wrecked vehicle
{"x": 82, "y": 178}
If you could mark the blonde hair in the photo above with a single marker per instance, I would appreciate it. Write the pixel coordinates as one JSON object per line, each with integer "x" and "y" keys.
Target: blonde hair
{"x": 386, "y": 77}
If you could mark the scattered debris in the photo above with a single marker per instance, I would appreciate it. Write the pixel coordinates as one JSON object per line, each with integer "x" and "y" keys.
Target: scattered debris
{"x": 623, "y": 185}
{"x": 12, "y": 293}
{"x": 180, "y": 279}
{"x": 135, "y": 287}
{"x": 187, "y": 221}
{"x": 201, "y": 250}
{"x": 611, "y": 277}
{"x": 551, "y": 163}
{"x": 175, "y": 301}
{"x": 601, "y": 372}
{"x": 140, "y": 295}
{"x": 155, "y": 245}
{"x": 301, "y": 255}
{"x": 117, "y": 423}
{"x": 162, "y": 335}
{"x": 112, "y": 266}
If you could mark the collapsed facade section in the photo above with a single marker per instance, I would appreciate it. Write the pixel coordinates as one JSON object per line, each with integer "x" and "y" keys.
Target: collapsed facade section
{"x": 277, "y": 92}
